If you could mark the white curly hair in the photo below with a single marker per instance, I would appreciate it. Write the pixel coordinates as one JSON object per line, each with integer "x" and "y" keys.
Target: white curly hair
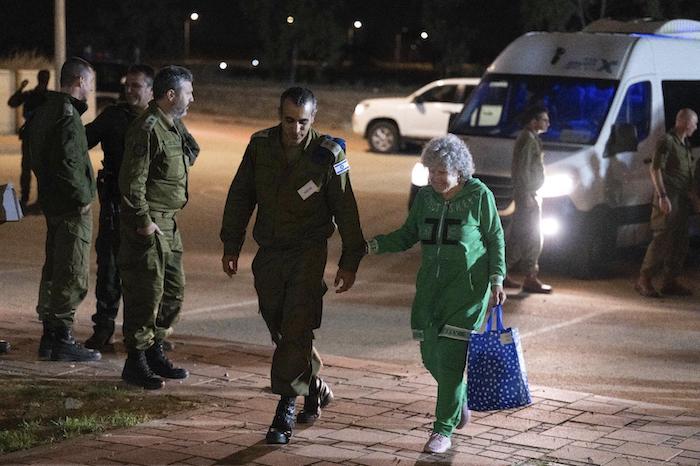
{"x": 451, "y": 153}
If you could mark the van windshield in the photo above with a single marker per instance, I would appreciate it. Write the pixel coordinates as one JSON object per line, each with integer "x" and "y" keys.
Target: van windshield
{"x": 577, "y": 107}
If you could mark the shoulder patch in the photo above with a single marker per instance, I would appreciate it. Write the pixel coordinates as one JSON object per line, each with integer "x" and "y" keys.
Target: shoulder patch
{"x": 68, "y": 109}
{"x": 332, "y": 146}
{"x": 149, "y": 122}
{"x": 263, "y": 133}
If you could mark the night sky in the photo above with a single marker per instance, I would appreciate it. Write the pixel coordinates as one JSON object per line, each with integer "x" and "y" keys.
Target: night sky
{"x": 234, "y": 29}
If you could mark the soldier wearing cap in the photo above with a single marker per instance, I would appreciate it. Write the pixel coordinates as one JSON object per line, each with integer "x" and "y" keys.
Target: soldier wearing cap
{"x": 153, "y": 187}
{"x": 58, "y": 151}
{"x": 299, "y": 181}
{"x": 672, "y": 173}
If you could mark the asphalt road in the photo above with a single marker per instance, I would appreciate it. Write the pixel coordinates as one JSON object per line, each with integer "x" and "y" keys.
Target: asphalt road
{"x": 595, "y": 336}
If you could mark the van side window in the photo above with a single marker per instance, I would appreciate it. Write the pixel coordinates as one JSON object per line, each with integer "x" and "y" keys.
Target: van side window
{"x": 678, "y": 95}
{"x": 636, "y": 108}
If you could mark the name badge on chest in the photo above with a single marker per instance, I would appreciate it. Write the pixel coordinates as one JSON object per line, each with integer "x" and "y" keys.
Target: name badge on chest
{"x": 307, "y": 190}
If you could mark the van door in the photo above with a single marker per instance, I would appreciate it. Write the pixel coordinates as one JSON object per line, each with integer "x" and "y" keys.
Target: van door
{"x": 628, "y": 184}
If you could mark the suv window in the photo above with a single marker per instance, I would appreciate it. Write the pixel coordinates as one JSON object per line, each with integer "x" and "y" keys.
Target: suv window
{"x": 636, "y": 108}
{"x": 446, "y": 93}
{"x": 678, "y": 95}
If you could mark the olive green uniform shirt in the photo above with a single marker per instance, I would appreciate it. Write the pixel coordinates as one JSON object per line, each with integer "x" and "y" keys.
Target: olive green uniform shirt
{"x": 153, "y": 174}
{"x": 675, "y": 160}
{"x": 274, "y": 181}
{"x": 59, "y": 155}
{"x": 527, "y": 169}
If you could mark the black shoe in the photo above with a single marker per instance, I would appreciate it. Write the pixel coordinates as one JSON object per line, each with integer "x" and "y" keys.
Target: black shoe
{"x": 46, "y": 343}
{"x": 168, "y": 345}
{"x": 65, "y": 348}
{"x": 4, "y": 346}
{"x": 136, "y": 372}
{"x": 320, "y": 395}
{"x": 101, "y": 340}
{"x": 280, "y": 431}
{"x": 161, "y": 365}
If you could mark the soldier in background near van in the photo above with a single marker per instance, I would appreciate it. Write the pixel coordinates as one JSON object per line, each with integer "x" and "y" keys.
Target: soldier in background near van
{"x": 524, "y": 238}
{"x": 672, "y": 174}
{"x": 31, "y": 100}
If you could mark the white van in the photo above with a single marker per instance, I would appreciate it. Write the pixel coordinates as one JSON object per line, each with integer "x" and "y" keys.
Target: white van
{"x": 611, "y": 90}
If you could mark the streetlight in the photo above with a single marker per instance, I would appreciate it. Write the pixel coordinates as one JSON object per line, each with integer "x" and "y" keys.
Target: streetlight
{"x": 357, "y": 24}
{"x": 424, "y": 35}
{"x": 290, "y": 19}
{"x": 194, "y": 16}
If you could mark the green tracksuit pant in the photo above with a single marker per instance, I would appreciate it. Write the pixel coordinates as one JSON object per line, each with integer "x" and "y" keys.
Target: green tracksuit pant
{"x": 446, "y": 359}
{"x": 153, "y": 281}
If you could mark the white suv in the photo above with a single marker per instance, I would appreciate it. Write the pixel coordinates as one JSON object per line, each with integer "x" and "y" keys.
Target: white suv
{"x": 388, "y": 122}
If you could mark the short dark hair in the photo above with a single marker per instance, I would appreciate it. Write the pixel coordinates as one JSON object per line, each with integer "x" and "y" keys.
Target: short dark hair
{"x": 299, "y": 96}
{"x": 73, "y": 69}
{"x": 145, "y": 70}
{"x": 43, "y": 76}
{"x": 532, "y": 112}
{"x": 170, "y": 77}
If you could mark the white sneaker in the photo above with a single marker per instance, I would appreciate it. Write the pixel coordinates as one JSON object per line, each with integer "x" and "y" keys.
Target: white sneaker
{"x": 466, "y": 416}
{"x": 437, "y": 443}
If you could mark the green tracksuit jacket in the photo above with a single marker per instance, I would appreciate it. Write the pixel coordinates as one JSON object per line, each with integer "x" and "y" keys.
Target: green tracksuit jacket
{"x": 462, "y": 248}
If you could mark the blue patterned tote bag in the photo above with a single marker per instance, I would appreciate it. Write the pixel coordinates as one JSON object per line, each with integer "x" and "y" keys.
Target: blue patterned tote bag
{"x": 496, "y": 376}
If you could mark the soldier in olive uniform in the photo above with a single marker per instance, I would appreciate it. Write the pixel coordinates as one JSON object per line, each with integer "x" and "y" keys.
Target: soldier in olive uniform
{"x": 300, "y": 183}
{"x": 30, "y": 100}
{"x": 524, "y": 238}
{"x": 60, "y": 161}
{"x": 153, "y": 186}
{"x": 672, "y": 171}
{"x": 109, "y": 128}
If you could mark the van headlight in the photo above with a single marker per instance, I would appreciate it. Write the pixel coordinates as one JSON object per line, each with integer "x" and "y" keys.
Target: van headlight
{"x": 419, "y": 175}
{"x": 556, "y": 185}
{"x": 550, "y": 226}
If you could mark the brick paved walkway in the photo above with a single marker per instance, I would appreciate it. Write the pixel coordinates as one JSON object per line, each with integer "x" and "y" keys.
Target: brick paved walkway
{"x": 381, "y": 416}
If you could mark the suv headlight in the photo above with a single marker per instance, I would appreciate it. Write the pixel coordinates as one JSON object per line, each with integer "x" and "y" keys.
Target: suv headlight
{"x": 419, "y": 175}
{"x": 556, "y": 185}
{"x": 360, "y": 108}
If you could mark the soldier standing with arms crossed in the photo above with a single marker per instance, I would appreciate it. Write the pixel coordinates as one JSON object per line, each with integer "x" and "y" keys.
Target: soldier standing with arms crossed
{"x": 60, "y": 160}
{"x": 299, "y": 181}
{"x": 672, "y": 174}
{"x": 153, "y": 186}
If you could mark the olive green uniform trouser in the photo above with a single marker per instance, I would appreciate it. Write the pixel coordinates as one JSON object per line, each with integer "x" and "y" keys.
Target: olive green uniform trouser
{"x": 64, "y": 277}
{"x": 445, "y": 359}
{"x": 153, "y": 281}
{"x": 670, "y": 243}
{"x": 290, "y": 288}
{"x": 524, "y": 238}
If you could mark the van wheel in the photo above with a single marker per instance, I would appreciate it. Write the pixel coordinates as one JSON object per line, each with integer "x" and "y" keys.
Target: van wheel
{"x": 594, "y": 245}
{"x": 383, "y": 137}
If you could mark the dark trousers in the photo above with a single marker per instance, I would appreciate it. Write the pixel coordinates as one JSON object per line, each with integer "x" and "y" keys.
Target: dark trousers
{"x": 25, "y": 176}
{"x": 290, "y": 288}
{"x": 108, "y": 288}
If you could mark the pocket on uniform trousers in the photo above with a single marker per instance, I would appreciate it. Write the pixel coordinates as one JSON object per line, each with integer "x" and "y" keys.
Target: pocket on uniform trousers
{"x": 82, "y": 234}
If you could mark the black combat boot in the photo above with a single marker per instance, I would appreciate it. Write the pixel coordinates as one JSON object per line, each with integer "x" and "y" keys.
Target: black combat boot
{"x": 101, "y": 340}
{"x": 320, "y": 395}
{"x": 65, "y": 348}
{"x": 46, "y": 343}
{"x": 280, "y": 430}
{"x": 161, "y": 365}
{"x": 136, "y": 372}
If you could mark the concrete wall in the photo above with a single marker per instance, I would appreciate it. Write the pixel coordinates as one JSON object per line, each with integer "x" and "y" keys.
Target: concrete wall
{"x": 10, "y": 118}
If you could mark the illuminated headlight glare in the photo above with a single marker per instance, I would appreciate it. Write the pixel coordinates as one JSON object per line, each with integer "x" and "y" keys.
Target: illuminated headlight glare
{"x": 360, "y": 108}
{"x": 556, "y": 185}
{"x": 419, "y": 175}
{"x": 550, "y": 226}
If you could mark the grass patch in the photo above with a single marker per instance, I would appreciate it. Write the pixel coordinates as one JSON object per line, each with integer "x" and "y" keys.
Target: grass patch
{"x": 35, "y": 412}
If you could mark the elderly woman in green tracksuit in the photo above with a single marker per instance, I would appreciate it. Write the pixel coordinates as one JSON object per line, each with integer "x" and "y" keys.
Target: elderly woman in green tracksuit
{"x": 463, "y": 263}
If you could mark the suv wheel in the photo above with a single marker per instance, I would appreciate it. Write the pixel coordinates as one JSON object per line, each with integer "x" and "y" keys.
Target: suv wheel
{"x": 383, "y": 136}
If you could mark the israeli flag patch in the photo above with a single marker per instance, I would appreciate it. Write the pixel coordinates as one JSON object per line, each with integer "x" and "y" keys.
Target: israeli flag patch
{"x": 341, "y": 167}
